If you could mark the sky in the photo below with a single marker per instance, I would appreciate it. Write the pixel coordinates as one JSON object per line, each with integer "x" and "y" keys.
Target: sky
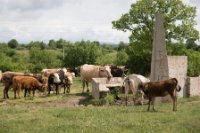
{"x": 72, "y": 20}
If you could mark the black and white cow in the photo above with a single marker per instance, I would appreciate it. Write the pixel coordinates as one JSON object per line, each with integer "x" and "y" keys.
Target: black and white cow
{"x": 58, "y": 79}
{"x": 118, "y": 71}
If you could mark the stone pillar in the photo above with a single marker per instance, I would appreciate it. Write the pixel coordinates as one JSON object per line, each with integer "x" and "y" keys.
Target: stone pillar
{"x": 159, "y": 63}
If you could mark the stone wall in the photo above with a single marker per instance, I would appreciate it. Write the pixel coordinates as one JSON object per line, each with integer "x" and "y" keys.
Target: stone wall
{"x": 193, "y": 86}
{"x": 178, "y": 69}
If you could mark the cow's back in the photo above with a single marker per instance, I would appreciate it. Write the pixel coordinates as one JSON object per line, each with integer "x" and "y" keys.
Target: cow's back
{"x": 162, "y": 87}
{"x": 25, "y": 81}
{"x": 88, "y": 72}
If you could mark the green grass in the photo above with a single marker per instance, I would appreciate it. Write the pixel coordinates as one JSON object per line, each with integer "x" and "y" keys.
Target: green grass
{"x": 21, "y": 116}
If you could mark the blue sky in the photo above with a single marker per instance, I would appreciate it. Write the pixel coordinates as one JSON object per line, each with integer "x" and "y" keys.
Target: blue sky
{"x": 73, "y": 20}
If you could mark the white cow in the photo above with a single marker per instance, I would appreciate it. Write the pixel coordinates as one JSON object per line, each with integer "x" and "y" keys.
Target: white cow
{"x": 88, "y": 72}
{"x": 132, "y": 82}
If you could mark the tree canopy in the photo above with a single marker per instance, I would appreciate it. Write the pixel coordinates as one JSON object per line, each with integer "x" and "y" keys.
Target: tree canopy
{"x": 179, "y": 22}
{"x": 13, "y": 43}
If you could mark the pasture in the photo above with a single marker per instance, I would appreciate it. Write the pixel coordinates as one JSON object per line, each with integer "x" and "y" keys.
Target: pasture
{"x": 61, "y": 114}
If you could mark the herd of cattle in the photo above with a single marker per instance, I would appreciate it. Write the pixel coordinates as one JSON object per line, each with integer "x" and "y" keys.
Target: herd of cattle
{"x": 57, "y": 78}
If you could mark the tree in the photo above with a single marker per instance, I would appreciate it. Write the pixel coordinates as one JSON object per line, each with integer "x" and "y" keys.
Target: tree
{"x": 179, "y": 25}
{"x": 43, "y": 59}
{"x": 37, "y": 44}
{"x": 190, "y": 44}
{"x": 122, "y": 46}
{"x": 52, "y": 44}
{"x": 122, "y": 58}
{"x": 104, "y": 59}
{"x": 81, "y": 53}
{"x": 13, "y": 43}
{"x": 60, "y": 43}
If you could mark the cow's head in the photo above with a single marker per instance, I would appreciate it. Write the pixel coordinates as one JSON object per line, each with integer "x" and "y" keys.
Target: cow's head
{"x": 118, "y": 71}
{"x": 69, "y": 78}
{"x": 56, "y": 78}
{"x": 105, "y": 72}
{"x": 41, "y": 87}
{"x": 143, "y": 87}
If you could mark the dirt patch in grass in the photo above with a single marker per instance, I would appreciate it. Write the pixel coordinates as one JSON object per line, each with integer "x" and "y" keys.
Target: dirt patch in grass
{"x": 71, "y": 102}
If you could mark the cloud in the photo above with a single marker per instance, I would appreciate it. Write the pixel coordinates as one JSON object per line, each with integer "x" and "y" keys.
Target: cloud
{"x": 71, "y": 20}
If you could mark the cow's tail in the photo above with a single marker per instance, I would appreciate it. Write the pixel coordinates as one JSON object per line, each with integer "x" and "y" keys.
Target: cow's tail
{"x": 178, "y": 88}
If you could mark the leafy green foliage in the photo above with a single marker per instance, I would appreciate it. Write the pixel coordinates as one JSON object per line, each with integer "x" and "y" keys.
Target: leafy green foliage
{"x": 106, "y": 59}
{"x": 79, "y": 53}
{"x": 43, "y": 59}
{"x": 179, "y": 24}
{"x": 13, "y": 43}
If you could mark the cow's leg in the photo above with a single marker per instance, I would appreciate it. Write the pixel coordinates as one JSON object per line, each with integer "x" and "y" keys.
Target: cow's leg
{"x": 174, "y": 98}
{"x": 15, "y": 94}
{"x": 83, "y": 84}
{"x": 57, "y": 90}
{"x": 49, "y": 89}
{"x": 18, "y": 93}
{"x": 5, "y": 91}
{"x": 149, "y": 103}
{"x": 64, "y": 89}
{"x": 25, "y": 91}
{"x": 153, "y": 101}
{"x": 68, "y": 88}
{"x": 33, "y": 92}
{"x": 126, "y": 94}
{"x": 87, "y": 86}
{"x": 174, "y": 103}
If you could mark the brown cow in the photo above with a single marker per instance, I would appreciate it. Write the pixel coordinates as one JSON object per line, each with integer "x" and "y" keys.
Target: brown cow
{"x": 26, "y": 83}
{"x": 160, "y": 89}
{"x": 7, "y": 81}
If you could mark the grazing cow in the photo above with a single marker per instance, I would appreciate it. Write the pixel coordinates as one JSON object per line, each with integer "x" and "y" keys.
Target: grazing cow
{"x": 118, "y": 71}
{"x": 7, "y": 81}
{"x": 132, "y": 83}
{"x": 161, "y": 88}
{"x": 58, "y": 78}
{"x": 88, "y": 72}
{"x": 26, "y": 83}
{"x": 7, "y": 78}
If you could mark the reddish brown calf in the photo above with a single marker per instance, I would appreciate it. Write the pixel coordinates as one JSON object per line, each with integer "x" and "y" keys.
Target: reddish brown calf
{"x": 160, "y": 89}
{"x": 27, "y": 83}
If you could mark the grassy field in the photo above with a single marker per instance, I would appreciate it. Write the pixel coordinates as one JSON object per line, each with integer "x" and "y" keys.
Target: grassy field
{"x": 34, "y": 115}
